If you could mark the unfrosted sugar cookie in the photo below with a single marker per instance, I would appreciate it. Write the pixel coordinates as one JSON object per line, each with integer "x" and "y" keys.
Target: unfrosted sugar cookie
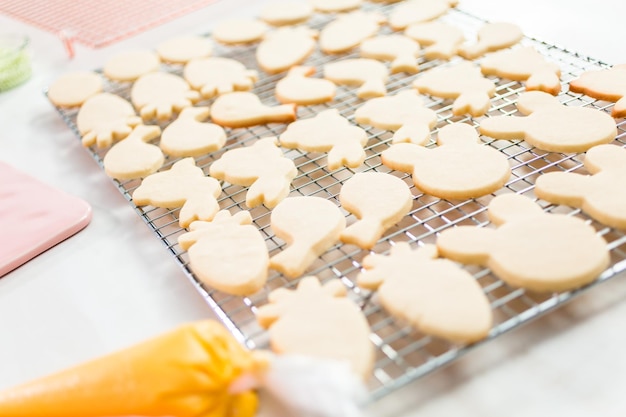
{"x": 462, "y": 82}
{"x": 491, "y": 37}
{"x": 242, "y": 109}
{"x": 460, "y": 167}
{"x": 552, "y": 126}
{"x": 319, "y": 321}
{"x": 216, "y": 75}
{"x": 185, "y": 186}
{"x": 369, "y": 74}
{"x": 309, "y": 226}
{"x": 188, "y": 135}
{"x": 349, "y": 30}
{"x": 239, "y": 31}
{"x": 104, "y": 118}
{"x": 328, "y": 132}
{"x": 401, "y": 50}
{"x": 262, "y": 167}
{"x": 227, "y": 253}
{"x": 282, "y": 13}
{"x": 530, "y": 248}
{"x": 432, "y": 294}
{"x": 334, "y": 6}
{"x": 414, "y": 11}
{"x": 284, "y": 48}
{"x": 183, "y": 49}
{"x": 442, "y": 40}
{"x": 159, "y": 94}
{"x": 378, "y": 200}
{"x": 524, "y": 64}
{"x": 133, "y": 157}
{"x": 74, "y": 88}
{"x": 130, "y": 65}
{"x": 300, "y": 88}
{"x": 404, "y": 113}
{"x": 609, "y": 85}
{"x": 601, "y": 195}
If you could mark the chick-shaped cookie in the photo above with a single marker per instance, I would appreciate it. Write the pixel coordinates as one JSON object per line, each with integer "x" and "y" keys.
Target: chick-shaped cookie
{"x": 309, "y": 225}
{"x": 441, "y": 40}
{"x": 104, "y": 118}
{"x": 404, "y": 113}
{"x": 524, "y": 64}
{"x": 133, "y": 157}
{"x": 262, "y": 167}
{"x": 401, "y": 50}
{"x": 188, "y": 135}
{"x": 300, "y": 88}
{"x": 378, "y": 200}
{"x": 531, "y": 249}
{"x": 185, "y": 186}
{"x": 159, "y": 94}
{"x": 285, "y": 47}
{"x": 414, "y": 11}
{"x": 552, "y": 126}
{"x": 462, "y": 82}
{"x": 460, "y": 167}
{"x": 602, "y": 194}
{"x": 227, "y": 253}
{"x": 328, "y": 132}
{"x": 214, "y": 76}
{"x": 349, "y": 30}
{"x": 434, "y": 295}
{"x": 368, "y": 74}
{"x": 492, "y": 37}
{"x": 608, "y": 84}
{"x": 243, "y": 109}
{"x": 318, "y": 320}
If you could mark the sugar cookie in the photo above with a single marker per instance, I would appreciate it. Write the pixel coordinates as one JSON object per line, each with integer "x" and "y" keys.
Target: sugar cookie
{"x": 216, "y": 75}
{"x": 378, "y": 200}
{"x": 104, "y": 118}
{"x": 310, "y": 226}
{"x": 319, "y": 321}
{"x": 349, "y": 30}
{"x": 531, "y": 249}
{"x": 524, "y": 64}
{"x": 133, "y": 157}
{"x": 552, "y": 126}
{"x": 262, "y": 167}
{"x": 227, "y": 253}
{"x": 185, "y": 186}
{"x": 299, "y": 88}
{"x": 242, "y": 109}
{"x": 458, "y": 168}
{"x": 369, "y": 74}
{"x": 74, "y": 88}
{"x": 284, "y": 48}
{"x": 401, "y": 50}
{"x": 414, "y": 11}
{"x": 601, "y": 195}
{"x": 188, "y": 135}
{"x": 183, "y": 49}
{"x": 404, "y": 113}
{"x": 441, "y": 39}
{"x": 334, "y": 6}
{"x": 158, "y": 94}
{"x": 432, "y": 294}
{"x": 462, "y": 82}
{"x": 281, "y": 12}
{"x": 491, "y": 37}
{"x": 130, "y": 65}
{"x": 609, "y": 85}
{"x": 328, "y": 132}
{"x": 239, "y": 31}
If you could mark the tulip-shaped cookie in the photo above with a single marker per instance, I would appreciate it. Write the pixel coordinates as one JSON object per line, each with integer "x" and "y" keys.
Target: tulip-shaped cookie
{"x": 414, "y": 11}
{"x": 369, "y": 74}
{"x": 401, "y": 50}
{"x": 318, "y": 320}
{"x": 492, "y": 37}
{"x": 404, "y": 113}
{"x": 530, "y": 248}
{"x": 284, "y": 48}
{"x": 133, "y": 157}
{"x": 552, "y": 126}
{"x": 105, "y": 117}
{"x": 188, "y": 135}
{"x": 309, "y": 225}
{"x": 262, "y": 167}
{"x": 349, "y": 30}
{"x": 602, "y": 194}
{"x": 227, "y": 253}
{"x": 299, "y": 88}
{"x": 441, "y": 39}
{"x": 378, "y": 200}
{"x": 434, "y": 295}
{"x": 460, "y": 167}
{"x": 216, "y": 75}
{"x": 243, "y": 109}
{"x": 184, "y": 185}
{"x": 608, "y": 84}
{"x": 463, "y": 82}
{"x": 328, "y": 132}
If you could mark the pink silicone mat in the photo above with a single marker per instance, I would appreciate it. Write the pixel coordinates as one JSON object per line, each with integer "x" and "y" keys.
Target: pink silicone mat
{"x": 34, "y": 217}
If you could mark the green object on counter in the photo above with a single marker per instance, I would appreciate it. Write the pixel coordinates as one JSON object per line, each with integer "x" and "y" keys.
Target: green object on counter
{"x": 15, "y": 63}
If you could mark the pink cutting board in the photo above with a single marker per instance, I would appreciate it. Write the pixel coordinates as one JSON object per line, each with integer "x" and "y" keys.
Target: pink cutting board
{"x": 34, "y": 217}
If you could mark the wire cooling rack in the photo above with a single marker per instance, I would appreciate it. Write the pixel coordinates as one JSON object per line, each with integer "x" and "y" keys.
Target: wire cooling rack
{"x": 402, "y": 353}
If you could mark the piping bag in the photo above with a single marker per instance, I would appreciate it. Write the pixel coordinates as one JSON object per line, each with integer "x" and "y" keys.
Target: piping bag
{"x": 196, "y": 370}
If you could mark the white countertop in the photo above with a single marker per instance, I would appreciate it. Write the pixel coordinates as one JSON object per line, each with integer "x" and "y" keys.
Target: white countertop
{"x": 112, "y": 284}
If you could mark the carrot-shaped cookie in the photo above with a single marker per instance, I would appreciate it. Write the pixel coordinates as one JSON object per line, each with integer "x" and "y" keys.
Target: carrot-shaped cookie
{"x": 243, "y": 109}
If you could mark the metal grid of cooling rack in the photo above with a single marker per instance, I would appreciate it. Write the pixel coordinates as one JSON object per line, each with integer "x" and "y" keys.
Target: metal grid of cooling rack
{"x": 402, "y": 353}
